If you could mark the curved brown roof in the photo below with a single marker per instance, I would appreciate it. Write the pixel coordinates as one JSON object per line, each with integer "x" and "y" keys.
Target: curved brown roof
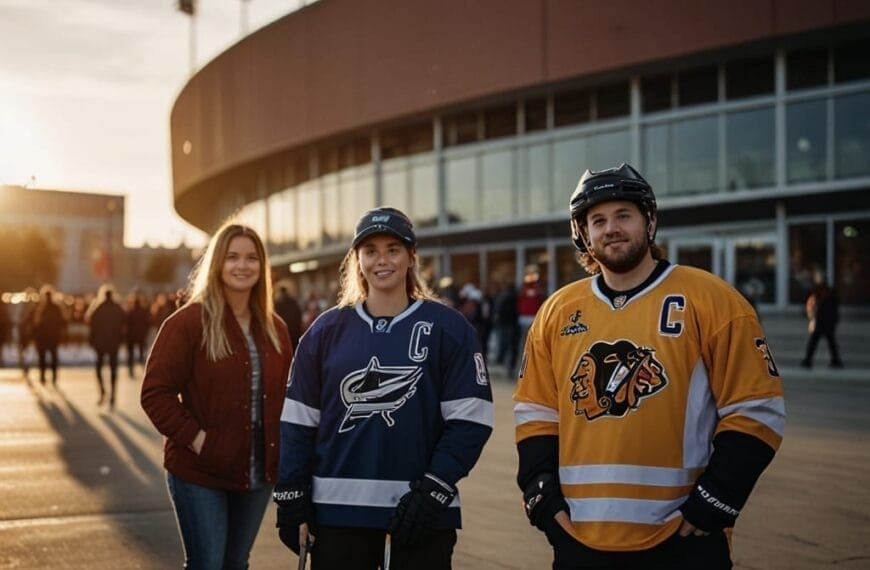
{"x": 342, "y": 65}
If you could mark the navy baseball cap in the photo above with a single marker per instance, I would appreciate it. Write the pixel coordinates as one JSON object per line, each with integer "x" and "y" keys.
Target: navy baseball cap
{"x": 385, "y": 221}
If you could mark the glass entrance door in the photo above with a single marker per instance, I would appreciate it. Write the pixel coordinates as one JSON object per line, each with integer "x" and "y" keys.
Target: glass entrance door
{"x": 703, "y": 253}
{"x": 753, "y": 271}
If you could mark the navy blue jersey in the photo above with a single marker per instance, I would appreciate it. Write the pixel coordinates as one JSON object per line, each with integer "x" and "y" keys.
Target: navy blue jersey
{"x": 374, "y": 403}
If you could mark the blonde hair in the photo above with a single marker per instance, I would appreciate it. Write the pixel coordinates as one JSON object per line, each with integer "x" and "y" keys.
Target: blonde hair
{"x": 354, "y": 289}
{"x": 206, "y": 288}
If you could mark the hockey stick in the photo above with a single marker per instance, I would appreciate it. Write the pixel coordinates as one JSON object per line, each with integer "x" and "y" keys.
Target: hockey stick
{"x": 387, "y": 549}
{"x": 303, "y": 554}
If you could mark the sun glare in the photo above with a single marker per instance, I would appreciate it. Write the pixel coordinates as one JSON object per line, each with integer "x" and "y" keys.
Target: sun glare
{"x": 24, "y": 148}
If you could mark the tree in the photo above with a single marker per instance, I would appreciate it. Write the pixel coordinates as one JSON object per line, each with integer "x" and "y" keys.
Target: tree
{"x": 27, "y": 258}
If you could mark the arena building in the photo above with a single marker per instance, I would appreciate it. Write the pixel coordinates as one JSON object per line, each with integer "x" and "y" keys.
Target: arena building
{"x": 751, "y": 119}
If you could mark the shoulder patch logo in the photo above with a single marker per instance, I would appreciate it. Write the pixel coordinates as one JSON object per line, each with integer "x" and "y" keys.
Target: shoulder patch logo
{"x": 377, "y": 389}
{"x": 611, "y": 379}
{"x": 576, "y": 327}
{"x": 764, "y": 349}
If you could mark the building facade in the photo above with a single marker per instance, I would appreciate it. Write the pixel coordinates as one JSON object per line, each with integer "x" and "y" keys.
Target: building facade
{"x": 477, "y": 119}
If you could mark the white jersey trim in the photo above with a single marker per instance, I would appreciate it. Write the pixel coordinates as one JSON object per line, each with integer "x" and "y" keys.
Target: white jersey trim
{"x": 361, "y": 312}
{"x": 627, "y": 474}
{"x": 597, "y": 292}
{"x": 643, "y": 511}
{"x": 525, "y": 412}
{"x": 474, "y": 410}
{"x": 360, "y": 492}
{"x": 295, "y": 412}
{"x": 768, "y": 411}
{"x": 701, "y": 419}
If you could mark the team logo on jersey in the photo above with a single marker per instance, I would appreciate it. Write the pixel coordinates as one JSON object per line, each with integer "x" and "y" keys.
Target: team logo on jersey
{"x": 761, "y": 346}
{"x": 380, "y": 325}
{"x": 576, "y": 327}
{"x": 377, "y": 389}
{"x": 611, "y": 379}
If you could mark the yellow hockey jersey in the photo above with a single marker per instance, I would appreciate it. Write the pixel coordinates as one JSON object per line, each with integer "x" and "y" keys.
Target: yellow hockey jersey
{"x": 636, "y": 394}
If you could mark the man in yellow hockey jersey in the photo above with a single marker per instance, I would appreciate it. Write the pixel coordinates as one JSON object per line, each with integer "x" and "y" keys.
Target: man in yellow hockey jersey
{"x": 648, "y": 402}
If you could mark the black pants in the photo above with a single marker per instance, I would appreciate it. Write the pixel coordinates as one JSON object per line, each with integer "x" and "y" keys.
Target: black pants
{"x": 132, "y": 347}
{"x": 710, "y": 552}
{"x": 832, "y": 346}
{"x": 112, "y": 356}
{"x": 345, "y": 548}
{"x": 44, "y": 351}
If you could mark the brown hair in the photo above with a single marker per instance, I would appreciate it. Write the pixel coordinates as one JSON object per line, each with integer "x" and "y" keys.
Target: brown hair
{"x": 353, "y": 287}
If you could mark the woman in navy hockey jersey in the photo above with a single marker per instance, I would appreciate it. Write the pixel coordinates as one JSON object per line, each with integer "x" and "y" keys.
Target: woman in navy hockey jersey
{"x": 388, "y": 406}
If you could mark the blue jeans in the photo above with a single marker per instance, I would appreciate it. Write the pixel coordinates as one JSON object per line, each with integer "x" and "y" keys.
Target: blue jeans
{"x": 217, "y": 527}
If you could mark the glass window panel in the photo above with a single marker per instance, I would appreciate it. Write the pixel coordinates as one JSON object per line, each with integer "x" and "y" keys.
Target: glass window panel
{"x": 749, "y": 152}
{"x": 807, "y": 68}
{"x": 696, "y": 155}
{"x": 309, "y": 218}
{"x": 407, "y": 139}
{"x": 696, "y": 255}
{"x": 807, "y": 246}
{"x": 497, "y": 185}
{"x": 460, "y": 129}
{"x": 394, "y": 186}
{"x": 501, "y": 267}
{"x": 357, "y": 195}
{"x": 608, "y": 149}
{"x": 852, "y": 128}
{"x": 253, "y": 215}
{"x": 462, "y": 199}
{"x": 851, "y": 62}
{"x": 806, "y": 140}
{"x": 537, "y": 267}
{"x": 756, "y": 271}
{"x": 331, "y": 209}
{"x": 536, "y": 114}
{"x": 465, "y": 268}
{"x": 612, "y": 100}
{"x": 571, "y": 108}
{"x": 851, "y": 262}
{"x": 696, "y": 86}
{"x": 656, "y": 156}
{"x": 655, "y": 93}
{"x": 500, "y": 122}
{"x": 424, "y": 195}
{"x": 569, "y": 162}
{"x": 282, "y": 219}
{"x": 568, "y": 269}
{"x": 534, "y": 193}
{"x": 749, "y": 77}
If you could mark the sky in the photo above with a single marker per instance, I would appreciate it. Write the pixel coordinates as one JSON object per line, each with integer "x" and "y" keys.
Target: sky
{"x": 86, "y": 89}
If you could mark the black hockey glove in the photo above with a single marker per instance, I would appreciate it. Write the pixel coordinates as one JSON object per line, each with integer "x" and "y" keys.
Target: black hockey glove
{"x": 294, "y": 508}
{"x": 708, "y": 509}
{"x": 419, "y": 509}
{"x": 542, "y": 499}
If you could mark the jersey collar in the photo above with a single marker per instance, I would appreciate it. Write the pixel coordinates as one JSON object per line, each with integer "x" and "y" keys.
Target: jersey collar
{"x": 391, "y": 322}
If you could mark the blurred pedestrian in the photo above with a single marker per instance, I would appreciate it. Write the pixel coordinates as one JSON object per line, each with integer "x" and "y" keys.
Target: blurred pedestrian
{"x": 507, "y": 326}
{"x": 823, "y": 313}
{"x": 138, "y": 323}
{"x": 529, "y": 300}
{"x": 49, "y": 329}
{"x": 388, "y": 406}
{"x": 214, "y": 386}
{"x": 288, "y": 309}
{"x": 5, "y": 330}
{"x": 106, "y": 319}
{"x": 24, "y": 325}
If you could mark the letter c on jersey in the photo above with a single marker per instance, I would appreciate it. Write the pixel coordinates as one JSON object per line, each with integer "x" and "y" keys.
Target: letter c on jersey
{"x": 668, "y": 324}
{"x": 415, "y": 351}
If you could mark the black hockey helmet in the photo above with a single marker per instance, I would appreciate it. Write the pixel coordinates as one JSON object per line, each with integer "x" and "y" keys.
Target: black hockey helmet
{"x": 619, "y": 183}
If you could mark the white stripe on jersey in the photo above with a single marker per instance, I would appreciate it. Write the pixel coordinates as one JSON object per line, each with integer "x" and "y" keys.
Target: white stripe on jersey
{"x": 295, "y": 412}
{"x": 701, "y": 419}
{"x": 627, "y": 474}
{"x": 360, "y": 492}
{"x": 609, "y": 509}
{"x": 526, "y": 412}
{"x": 768, "y": 411}
{"x": 474, "y": 410}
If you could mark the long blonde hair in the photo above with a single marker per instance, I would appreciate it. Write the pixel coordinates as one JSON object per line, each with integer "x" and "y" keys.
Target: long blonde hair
{"x": 206, "y": 288}
{"x": 353, "y": 287}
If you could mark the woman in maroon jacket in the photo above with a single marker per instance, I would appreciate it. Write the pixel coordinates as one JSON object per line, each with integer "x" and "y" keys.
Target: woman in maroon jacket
{"x": 214, "y": 386}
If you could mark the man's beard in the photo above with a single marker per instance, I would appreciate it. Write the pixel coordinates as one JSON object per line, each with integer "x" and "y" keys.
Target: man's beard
{"x": 624, "y": 261}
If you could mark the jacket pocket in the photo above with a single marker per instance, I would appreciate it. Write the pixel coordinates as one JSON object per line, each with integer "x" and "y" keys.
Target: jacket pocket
{"x": 223, "y": 452}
